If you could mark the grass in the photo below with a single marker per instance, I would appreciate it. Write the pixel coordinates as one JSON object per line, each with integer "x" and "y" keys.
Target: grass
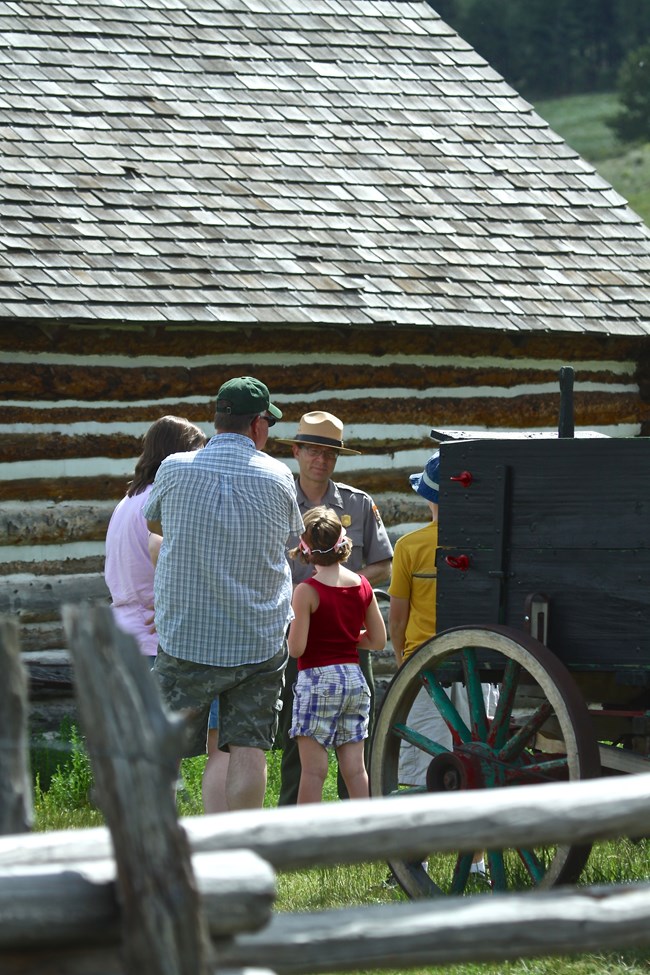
{"x": 67, "y": 803}
{"x": 63, "y": 784}
{"x": 581, "y": 120}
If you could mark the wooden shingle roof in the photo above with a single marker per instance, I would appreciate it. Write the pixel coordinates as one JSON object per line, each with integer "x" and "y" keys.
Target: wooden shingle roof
{"x": 313, "y": 161}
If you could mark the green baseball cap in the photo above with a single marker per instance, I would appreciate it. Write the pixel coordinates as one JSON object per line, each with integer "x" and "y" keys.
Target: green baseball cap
{"x": 245, "y": 395}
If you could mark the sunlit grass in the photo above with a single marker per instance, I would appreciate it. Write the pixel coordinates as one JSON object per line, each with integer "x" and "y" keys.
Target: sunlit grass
{"x": 581, "y": 120}
{"x": 65, "y": 799}
{"x": 67, "y": 803}
{"x": 329, "y": 887}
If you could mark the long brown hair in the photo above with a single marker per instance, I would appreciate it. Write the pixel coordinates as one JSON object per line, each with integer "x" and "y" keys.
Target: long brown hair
{"x": 168, "y": 435}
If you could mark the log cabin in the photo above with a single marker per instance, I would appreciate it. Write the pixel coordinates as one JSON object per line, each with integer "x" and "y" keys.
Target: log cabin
{"x": 341, "y": 198}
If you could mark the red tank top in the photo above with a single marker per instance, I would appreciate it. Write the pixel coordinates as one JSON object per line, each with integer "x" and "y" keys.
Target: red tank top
{"x": 335, "y": 626}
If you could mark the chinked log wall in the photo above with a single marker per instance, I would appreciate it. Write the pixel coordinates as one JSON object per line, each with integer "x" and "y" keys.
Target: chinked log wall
{"x": 76, "y": 400}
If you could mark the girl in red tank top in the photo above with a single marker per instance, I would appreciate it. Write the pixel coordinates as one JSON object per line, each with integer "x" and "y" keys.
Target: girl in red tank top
{"x": 336, "y": 614}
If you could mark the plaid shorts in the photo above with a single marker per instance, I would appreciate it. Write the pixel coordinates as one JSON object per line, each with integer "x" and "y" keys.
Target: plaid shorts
{"x": 249, "y": 699}
{"x": 331, "y": 704}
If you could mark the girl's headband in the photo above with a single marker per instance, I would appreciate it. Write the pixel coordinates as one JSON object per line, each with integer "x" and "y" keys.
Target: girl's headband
{"x": 338, "y": 544}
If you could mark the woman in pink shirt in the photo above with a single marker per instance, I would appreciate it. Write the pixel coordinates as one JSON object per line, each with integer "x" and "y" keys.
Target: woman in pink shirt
{"x": 129, "y": 570}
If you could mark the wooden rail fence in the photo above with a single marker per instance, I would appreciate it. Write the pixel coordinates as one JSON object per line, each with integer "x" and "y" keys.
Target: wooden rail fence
{"x": 149, "y": 895}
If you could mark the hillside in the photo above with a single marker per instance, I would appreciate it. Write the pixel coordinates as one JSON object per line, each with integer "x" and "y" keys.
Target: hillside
{"x": 581, "y": 121}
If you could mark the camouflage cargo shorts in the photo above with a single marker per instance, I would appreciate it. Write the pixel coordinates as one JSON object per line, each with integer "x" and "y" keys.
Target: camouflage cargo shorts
{"x": 249, "y": 699}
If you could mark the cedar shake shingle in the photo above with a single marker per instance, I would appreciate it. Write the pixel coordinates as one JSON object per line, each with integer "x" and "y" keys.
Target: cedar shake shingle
{"x": 328, "y": 163}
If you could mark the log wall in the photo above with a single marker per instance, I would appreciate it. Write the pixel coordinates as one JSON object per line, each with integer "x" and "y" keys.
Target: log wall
{"x": 77, "y": 399}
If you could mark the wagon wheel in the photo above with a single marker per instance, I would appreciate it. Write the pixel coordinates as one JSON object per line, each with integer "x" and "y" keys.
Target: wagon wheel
{"x": 540, "y": 732}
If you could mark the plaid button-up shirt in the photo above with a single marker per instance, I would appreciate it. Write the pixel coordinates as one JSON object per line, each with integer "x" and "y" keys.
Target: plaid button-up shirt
{"x": 222, "y": 586}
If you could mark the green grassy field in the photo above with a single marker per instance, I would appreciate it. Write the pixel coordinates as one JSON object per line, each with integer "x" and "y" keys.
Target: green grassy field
{"x": 66, "y": 803}
{"x": 581, "y": 121}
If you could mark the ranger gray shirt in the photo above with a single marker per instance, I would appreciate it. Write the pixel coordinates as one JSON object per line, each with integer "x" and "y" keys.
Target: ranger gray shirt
{"x": 361, "y": 519}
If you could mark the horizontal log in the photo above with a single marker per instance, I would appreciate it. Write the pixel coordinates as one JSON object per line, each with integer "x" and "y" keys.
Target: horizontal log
{"x": 450, "y": 931}
{"x": 87, "y": 961}
{"x": 53, "y": 567}
{"x": 44, "y": 446}
{"x": 48, "y": 715}
{"x": 50, "y": 675}
{"x": 199, "y": 412}
{"x": 568, "y": 812}
{"x": 52, "y": 381}
{"x": 42, "y": 637}
{"x": 39, "y": 598}
{"x": 404, "y": 935}
{"x": 176, "y": 342}
{"x": 623, "y": 760}
{"x": 51, "y": 688}
{"x": 405, "y": 827}
{"x": 528, "y": 411}
{"x": 79, "y": 904}
{"x": 62, "y": 488}
{"x": 48, "y": 381}
{"x": 47, "y": 658}
{"x": 73, "y": 521}
{"x": 45, "y": 686}
{"x": 46, "y": 524}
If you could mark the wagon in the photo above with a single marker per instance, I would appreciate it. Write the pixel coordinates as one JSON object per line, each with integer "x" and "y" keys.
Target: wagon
{"x": 543, "y": 590}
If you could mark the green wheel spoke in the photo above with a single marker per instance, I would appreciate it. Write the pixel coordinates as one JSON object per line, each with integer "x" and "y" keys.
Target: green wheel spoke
{"x": 547, "y": 771}
{"x": 521, "y": 740}
{"x": 459, "y": 730}
{"x": 475, "y": 696}
{"x": 502, "y": 716}
{"x": 497, "y": 870}
{"x": 534, "y": 866}
{"x": 461, "y": 873}
{"x": 420, "y": 741}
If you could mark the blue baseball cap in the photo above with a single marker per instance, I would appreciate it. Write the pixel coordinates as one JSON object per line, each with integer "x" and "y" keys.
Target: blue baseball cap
{"x": 427, "y": 483}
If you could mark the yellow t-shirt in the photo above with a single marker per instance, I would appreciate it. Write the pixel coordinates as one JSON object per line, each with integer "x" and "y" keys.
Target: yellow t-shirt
{"x": 413, "y": 577}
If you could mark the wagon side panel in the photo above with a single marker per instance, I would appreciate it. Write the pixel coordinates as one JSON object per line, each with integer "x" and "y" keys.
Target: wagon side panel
{"x": 566, "y": 518}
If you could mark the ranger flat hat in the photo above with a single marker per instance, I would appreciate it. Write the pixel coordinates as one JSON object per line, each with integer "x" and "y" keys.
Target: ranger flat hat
{"x": 320, "y": 429}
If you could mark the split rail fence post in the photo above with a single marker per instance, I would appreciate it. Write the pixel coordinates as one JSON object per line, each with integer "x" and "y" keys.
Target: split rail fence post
{"x": 134, "y": 748}
{"x": 15, "y": 779}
